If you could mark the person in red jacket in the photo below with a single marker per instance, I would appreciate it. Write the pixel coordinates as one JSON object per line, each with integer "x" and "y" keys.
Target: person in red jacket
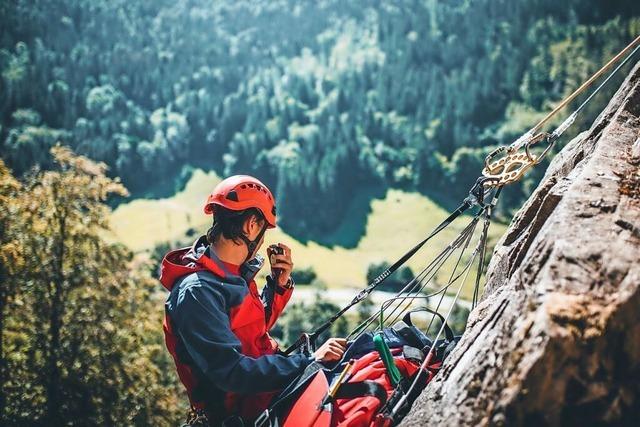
{"x": 217, "y": 324}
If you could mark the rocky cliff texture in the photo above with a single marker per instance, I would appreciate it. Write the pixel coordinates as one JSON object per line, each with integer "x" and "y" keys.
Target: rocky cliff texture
{"x": 556, "y": 339}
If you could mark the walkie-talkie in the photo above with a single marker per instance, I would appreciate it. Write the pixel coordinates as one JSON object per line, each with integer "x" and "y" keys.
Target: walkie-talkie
{"x": 272, "y": 251}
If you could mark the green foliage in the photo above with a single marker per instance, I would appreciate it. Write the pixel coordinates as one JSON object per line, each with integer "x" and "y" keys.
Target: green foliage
{"x": 79, "y": 319}
{"x": 304, "y": 276}
{"x": 318, "y": 98}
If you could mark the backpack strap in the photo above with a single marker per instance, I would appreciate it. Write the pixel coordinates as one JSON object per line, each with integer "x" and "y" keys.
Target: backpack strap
{"x": 362, "y": 389}
{"x": 447, "y": 330}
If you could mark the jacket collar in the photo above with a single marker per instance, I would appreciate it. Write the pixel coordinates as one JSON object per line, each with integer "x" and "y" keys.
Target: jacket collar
{"x": 201, "y": 256}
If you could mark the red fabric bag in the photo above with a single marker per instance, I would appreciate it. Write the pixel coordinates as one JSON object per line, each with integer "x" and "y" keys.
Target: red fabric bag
{"x": 313, "y": 408}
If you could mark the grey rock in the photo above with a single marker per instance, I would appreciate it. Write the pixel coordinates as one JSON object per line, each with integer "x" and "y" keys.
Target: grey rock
{"x": 556, "y": 337}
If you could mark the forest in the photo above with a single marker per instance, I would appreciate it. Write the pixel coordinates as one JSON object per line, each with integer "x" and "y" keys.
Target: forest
{"x": 319, "y": 98}
{"x": 102, "y": 101}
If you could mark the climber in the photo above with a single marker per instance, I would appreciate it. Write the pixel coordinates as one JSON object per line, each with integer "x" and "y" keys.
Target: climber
{"x": 216, "y": 324}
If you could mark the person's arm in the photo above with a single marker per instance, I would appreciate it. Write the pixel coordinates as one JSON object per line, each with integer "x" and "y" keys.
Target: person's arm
{"x": 201, "y": 321}
{"x": 275, "y": 298}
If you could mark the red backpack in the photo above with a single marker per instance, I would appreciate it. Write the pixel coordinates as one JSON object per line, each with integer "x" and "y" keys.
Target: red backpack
{"x": 363, "y": 389}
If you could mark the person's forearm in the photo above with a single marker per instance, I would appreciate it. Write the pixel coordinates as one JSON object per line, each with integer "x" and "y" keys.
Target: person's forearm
{"x": 262, "y": 374}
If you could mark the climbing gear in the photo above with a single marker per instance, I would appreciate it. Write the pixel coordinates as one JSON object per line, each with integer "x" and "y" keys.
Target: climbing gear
{"x": 476, "y": 197}
{"x": 385, "y": 355}
{"x": 514, "y": 163}
{"x": 336, "y": 385}
{"x": 241, "y": 192}
{"x": 361, "y": 383}
{"x": 402, "y": 388}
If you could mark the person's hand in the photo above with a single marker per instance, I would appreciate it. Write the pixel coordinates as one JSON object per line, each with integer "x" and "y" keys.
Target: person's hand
{"x": 331, "y": 351}
{"x": 281, "y": 265}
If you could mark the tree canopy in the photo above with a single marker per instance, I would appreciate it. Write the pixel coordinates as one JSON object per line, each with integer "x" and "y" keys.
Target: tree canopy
{"x": 79, "y": 316}
{"x": 318, "y": 98}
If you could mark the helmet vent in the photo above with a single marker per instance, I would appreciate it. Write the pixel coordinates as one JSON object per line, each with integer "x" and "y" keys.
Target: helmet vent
{"x": 232, "y": 195}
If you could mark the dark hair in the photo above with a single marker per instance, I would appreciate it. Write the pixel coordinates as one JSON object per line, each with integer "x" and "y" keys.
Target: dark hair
{"x": 229, "y": 223}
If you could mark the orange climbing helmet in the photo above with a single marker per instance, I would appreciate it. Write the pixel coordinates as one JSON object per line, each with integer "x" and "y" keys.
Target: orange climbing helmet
{"x": 240, "y": 192}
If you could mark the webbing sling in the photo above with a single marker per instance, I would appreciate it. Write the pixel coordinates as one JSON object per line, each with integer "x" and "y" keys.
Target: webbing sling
{"x": 362, "y": 389}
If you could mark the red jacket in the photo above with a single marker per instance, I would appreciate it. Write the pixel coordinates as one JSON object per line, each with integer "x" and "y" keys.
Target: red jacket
{"x": 216, "y": 328}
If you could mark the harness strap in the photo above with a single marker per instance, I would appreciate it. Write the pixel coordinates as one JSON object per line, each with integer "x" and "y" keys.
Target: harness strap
{"x": 447, "y": 330}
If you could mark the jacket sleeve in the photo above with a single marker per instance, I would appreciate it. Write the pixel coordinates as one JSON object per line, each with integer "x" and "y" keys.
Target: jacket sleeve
{"x": 275, "y": 298}
{"x": 203, "y": 325}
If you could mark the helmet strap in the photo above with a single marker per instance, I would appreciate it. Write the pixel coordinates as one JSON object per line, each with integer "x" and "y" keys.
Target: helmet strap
{"x": 252, "y": 244}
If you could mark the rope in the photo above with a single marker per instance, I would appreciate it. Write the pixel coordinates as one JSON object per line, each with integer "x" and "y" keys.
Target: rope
{"x": 430, "y": 354}
{"x": 412, "y": 294}
{"x": 465, "y": 236}
{"x": 523, "y": 140}
{"x": 485, "y": 236}
{"x": 431, "y": 269}
{"x": 442, "y": 295}
{"x": 468, "y": 202}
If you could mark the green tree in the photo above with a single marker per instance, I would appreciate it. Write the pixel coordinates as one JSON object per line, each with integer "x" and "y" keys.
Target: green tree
{"x": 81, "y": 336}
{"x": 12, "y": 259}
{"x": 304, "y": 276}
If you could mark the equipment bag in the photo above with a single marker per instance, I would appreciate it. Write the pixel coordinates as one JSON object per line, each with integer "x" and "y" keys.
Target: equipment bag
{"x": 359, "y": 389}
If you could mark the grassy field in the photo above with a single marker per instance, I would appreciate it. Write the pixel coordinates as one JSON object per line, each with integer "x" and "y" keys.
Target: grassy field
{"x": 395, "y": 224}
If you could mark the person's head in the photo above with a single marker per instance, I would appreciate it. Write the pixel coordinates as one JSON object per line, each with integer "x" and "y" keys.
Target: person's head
{"x": 243, "y": 208}
{"x": 233, "y": 225}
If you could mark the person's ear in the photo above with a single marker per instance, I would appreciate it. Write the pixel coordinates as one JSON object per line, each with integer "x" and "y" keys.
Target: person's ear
{"x": 246, "y": 227}
{"x": 251, "y": 227}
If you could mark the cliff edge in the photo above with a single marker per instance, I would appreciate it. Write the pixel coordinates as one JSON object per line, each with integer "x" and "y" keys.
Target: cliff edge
{"x": 556, "y": 338}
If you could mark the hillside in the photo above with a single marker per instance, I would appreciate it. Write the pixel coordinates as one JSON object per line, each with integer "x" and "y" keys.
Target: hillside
{"x": 392, "y": 225}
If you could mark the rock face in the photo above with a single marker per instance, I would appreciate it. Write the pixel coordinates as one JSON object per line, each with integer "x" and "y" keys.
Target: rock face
{"x": 556, "y": 338}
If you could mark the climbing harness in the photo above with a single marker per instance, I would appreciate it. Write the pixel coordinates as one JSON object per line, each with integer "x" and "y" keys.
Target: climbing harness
{"x": 516, "y": 159}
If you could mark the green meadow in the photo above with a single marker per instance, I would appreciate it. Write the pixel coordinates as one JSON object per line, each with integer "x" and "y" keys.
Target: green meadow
{"x": 394, "y": 224}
